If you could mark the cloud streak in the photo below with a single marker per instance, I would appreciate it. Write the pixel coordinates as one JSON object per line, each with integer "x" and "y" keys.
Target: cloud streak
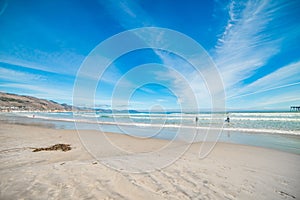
{"x": 39, "y": 85}
{"x": 128, "y": 13}
{"x": 251, "y": 38}
{"x": 40, "y": 91}
{"x": 13, "y": 75}
{"x": 283, "y": 77}
{"x": 246, "y": 43}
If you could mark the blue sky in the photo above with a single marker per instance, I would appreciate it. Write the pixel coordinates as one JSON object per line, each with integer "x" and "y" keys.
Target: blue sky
{"x": 254, "y": 44}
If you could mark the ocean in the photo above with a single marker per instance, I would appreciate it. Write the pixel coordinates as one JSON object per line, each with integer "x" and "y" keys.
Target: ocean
{"x": 277, "y": 130}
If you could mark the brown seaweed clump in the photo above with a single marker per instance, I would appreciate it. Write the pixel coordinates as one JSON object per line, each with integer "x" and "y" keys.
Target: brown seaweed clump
{"x": 56, "y": 147}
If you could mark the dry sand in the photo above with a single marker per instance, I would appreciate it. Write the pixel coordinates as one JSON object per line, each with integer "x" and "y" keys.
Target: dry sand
{"x": 228, "y": 172}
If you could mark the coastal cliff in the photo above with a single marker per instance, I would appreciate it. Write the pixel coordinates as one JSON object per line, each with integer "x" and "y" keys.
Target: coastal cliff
{"x": 14, "y": 102}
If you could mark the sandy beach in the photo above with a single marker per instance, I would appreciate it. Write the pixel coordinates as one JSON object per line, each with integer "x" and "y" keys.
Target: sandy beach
{"x": 230, "y": 171}
{"x": 149, "y": 100}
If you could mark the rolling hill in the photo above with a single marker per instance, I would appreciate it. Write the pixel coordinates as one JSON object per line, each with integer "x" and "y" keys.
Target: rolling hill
{"x": 10, "y": 102}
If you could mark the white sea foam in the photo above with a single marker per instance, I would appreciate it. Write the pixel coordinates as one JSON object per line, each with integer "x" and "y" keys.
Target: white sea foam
{"x": 240, "y": 122}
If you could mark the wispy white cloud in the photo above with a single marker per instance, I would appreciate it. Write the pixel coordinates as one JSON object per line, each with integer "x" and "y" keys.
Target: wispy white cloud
{"x": 246, "y": 44}
{"x": 40, "y": 91}
{"x": 185, "y": 82}
{"x": 96, "y": 71}
{"x": 24, "y": 82}
{"x": 65, "y": 62}
{"x": 278, "y": 99}
{"x": 249, "y": 40}
{"x": 13, "y": 75}
{"x": 129, "y": 13}
{"x": 283, "y": 77}
{"x": 181, "y": 78}
{"x": 251, "y": 37}
{"x": 26, "y": 64}
{"x": 269, "y": 99}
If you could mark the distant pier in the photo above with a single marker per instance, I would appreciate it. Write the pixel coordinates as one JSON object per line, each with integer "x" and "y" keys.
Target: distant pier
{"x": 295, "y": 108}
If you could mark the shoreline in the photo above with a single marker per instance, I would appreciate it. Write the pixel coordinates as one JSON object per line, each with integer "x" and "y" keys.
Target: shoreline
{"x": 51, "y": 126}
{"x": 73, "y": 119}
{"x": 282, "y": 142}
{"x": 230, "y": 171}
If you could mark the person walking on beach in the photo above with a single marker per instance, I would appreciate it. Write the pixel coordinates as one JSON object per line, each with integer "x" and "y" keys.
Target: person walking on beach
{"x": 196, "y": 120}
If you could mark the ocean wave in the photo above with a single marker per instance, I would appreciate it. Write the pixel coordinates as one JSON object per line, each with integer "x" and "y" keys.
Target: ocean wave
{"x": 265, "y": 119}
{"x": 215, "y": 126}
{"x": 263, "y": 114}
